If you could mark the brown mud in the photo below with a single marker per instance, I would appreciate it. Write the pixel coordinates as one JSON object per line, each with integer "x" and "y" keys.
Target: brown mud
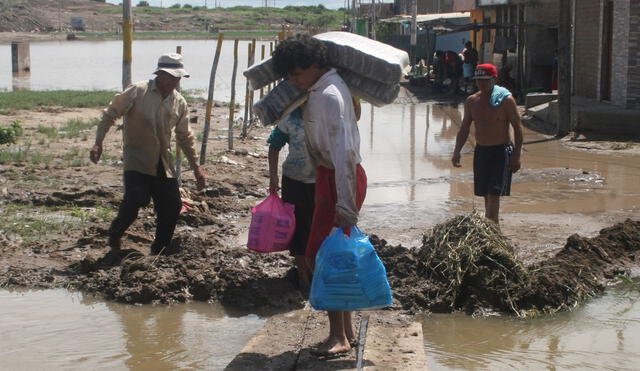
{"x": 494, "y": 281}
{"x": 206, "y": 263}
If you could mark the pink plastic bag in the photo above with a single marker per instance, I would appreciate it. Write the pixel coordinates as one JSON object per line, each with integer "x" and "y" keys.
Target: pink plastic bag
{"x": 272, "y": 225}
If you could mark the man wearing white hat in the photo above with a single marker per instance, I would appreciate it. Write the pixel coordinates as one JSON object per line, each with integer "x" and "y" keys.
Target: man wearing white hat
{"x": 151, "y": 109}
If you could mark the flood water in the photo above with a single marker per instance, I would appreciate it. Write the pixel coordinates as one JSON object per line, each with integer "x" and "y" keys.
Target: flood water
{"x": 604, "y": 334}
{"x": 71, "y": 331}
{"x": 406, "y": 152}
{"x": 97, "y": 65}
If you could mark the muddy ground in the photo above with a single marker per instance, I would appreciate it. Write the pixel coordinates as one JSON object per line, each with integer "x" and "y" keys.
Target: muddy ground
{"x": 57, "y": 208}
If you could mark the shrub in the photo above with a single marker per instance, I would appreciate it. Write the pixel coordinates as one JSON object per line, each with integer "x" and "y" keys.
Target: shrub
{"x": 10, "y": 133}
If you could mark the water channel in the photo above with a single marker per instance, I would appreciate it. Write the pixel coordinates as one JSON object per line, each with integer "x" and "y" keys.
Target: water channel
{"x": 406, "y": 151}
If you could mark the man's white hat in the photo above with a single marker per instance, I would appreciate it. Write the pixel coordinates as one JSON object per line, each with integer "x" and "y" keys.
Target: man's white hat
{"x": 171, "y": 63}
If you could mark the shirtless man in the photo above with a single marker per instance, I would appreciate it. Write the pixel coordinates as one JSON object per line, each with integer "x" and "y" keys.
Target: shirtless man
{"x": 492, "y": 109}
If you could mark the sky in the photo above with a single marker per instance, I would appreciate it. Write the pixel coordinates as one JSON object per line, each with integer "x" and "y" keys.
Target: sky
{"x": 331, "y": 4}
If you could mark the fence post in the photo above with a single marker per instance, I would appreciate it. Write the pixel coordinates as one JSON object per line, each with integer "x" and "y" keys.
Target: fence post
{"x": 207, "y": 115}
{"x": 271, "y": 85}
{"x": 262, "y": 58}
{"x": 232, "y": 103}
{"x": 127, "y": 40}
{"x": 251, "y": 93}
{"x": 245, "y": 121}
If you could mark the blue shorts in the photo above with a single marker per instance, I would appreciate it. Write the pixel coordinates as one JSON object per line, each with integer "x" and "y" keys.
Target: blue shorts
{"x": 491, "y": 171}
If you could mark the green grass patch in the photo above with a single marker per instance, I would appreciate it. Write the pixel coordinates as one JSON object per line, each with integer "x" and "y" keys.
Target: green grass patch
{"x": 71, "y": 129}
{"x": 23, "y": 154}
{"x": 31, "y": 223}
{"x": 74, "y": 127}
{"x": 75, "y": 157}
{"x": 65, "y": 98}
{"x": 50, "y": 132}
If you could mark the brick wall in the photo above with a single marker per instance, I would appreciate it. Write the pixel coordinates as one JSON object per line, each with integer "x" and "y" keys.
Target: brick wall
{"x": 620, "y": 51}
{"x": 588, "y": 23}
{"x": 633, "y": 88}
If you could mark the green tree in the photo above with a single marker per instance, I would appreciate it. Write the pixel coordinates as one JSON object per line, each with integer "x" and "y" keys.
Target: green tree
{"x": 143, "y": 4}
{"x": 187, "y": 6}
{"x": 175, "y": 6}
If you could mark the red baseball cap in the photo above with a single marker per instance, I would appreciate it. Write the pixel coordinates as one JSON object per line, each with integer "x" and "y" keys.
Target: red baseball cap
{"x": 485, "y": 71}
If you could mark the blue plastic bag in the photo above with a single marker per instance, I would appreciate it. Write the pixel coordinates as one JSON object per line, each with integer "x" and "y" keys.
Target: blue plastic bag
{"x": 348, "y": 274}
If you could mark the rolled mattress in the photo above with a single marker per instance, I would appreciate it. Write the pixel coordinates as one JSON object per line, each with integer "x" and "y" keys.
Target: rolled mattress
{"x": 347, "y": 51}
{"x": 285, "y": 97}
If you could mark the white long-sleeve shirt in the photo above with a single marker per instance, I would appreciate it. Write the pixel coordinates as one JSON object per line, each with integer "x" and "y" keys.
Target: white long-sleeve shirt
{"x": 333, "y": 138}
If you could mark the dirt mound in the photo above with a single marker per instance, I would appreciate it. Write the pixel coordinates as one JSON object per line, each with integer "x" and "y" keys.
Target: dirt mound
{"x": 466, "y": 264}
{"x": 582, "y": 269}
{"x": 238, "y": 278}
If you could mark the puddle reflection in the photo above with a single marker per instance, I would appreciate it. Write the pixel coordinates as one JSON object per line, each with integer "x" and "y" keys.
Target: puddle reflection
{"x": 406, "y": 152}
{"x": 75, "y": 331}
{"x": 604, "y": 334}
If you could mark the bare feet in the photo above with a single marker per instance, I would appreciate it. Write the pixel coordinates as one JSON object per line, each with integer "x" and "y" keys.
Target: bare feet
{"x": 350, "y": 335}
{"x": 332, "y": 347}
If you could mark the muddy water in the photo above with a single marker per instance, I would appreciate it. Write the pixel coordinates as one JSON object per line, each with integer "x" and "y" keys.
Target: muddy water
{"x": 406, "y": 152}
{"x": 602, "y": 335}
{"x": 71, "y": 331}
{"x": 97, "y": 65}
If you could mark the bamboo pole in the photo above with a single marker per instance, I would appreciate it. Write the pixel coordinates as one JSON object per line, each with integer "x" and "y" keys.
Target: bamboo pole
{"x": 127, "y": 41}
{"x": 207, "y": 116}
{"x": 232, "y": 103}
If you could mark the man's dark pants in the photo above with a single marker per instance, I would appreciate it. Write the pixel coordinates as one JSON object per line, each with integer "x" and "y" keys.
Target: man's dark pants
{"x": 139, "y": 189}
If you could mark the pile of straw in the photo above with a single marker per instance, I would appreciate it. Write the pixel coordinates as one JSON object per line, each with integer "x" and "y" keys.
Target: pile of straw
{"x": 473, "y": 263}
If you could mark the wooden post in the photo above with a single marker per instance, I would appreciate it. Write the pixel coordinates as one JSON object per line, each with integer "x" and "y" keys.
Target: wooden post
{"x": 20, "y": 56}
{"x": 521, "y": 42}
{"x": 178, "y": 152}
{"x": 564, "y": 68}
{"x": 251, "y": 93}
{"x": 262, "y": 58}
{"x": 207, "y": 115}
{"x": 271, "y": 85}
{"x": 248, "y": 99}
{"x": 373, "y": 19}
{"x": 414, "y": 29}
{"x": 353, "y": 17}
{"x": 127, "y": 41}
{"x": 232, "y": 103}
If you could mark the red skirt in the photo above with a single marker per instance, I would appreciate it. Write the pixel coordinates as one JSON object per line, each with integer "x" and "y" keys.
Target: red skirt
{"x": 325, "y": 209}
